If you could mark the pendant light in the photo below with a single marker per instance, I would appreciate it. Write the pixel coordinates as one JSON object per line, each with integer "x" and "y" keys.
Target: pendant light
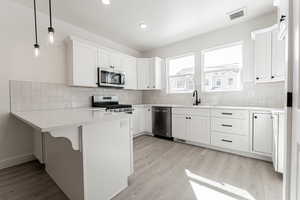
{"x": 36, "y": 45}
{"x": 50, "y": 28}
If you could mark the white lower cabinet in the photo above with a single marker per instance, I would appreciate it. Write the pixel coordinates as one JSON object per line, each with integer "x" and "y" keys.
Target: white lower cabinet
{"x": 141, "y": 119}
{"x": 199, "y": 129}
{"x": 230, "y": 129}
{"x": 187, "y": 125}
{"x": 138, "y": 120}
{"x": 234, "y": 142}
{"x": 179, "y": 127}
{"x": 262, "y": 133}
{"x": 148, "y": 119}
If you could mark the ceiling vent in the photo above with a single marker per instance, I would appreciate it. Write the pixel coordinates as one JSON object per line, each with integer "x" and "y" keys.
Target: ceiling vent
{"x": 237, "y": 14}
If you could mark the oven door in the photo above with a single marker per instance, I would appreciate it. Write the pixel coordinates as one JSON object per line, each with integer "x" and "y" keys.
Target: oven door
{"x": 109, "y": 78}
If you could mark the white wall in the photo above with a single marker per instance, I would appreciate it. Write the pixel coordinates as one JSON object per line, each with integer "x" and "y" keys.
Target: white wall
{"x": 254, "y": 95}
{"x": 18, "y": 63}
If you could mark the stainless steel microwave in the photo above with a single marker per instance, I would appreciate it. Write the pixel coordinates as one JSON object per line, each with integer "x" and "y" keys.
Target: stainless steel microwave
{"x": 110, "y": 78}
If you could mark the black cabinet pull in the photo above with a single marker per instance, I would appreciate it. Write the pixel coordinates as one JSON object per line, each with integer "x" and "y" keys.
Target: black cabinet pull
{"x": 223, "y": 140}
{"x": 226, "y": 113}
{"x": 282, "y": 18}
{"x": 257, "y": 78}
{"x": 272, "y": 77}
{"x": 226, "y": 125}
{"x": 255, "y": 117}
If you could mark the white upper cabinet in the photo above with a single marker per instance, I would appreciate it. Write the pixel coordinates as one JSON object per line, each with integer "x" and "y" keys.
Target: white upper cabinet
{"x": 278, "y": 57}
{"x": 82, "y": 64}
{"x": 109, "y": 59}
{"x": 149, "y": 73}
{"x": 143, "y": 68}
{"x": 262, "y": 57}
{"x": 84, "y": 58}
{"x": 269, "y": 56}
{"x": 128, "y": 65}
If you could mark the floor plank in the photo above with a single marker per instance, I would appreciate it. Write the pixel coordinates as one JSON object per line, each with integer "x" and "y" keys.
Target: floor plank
{"x": 164, "y": 170}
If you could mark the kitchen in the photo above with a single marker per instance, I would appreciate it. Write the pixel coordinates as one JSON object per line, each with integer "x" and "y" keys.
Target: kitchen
{"x": 171, "y": 107}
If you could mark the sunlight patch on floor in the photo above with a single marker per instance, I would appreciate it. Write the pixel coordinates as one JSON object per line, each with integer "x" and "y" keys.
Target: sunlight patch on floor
{"x": 204, "y": 188}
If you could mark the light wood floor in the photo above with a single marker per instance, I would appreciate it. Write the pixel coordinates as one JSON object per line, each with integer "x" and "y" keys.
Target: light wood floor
{"x": 164, "y": 170}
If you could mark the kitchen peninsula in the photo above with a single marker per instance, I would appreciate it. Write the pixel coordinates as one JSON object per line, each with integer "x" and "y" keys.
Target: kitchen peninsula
{"x": 87, "y": 152}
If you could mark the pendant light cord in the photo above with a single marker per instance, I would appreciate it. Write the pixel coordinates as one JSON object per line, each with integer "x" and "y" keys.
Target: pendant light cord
{"x": 50, "y": 13}
{"x": 35, "y": 23}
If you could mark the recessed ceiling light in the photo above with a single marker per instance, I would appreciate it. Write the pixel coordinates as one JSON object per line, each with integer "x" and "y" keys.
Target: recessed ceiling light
{"x": 143, "y": 25}
{"x": 106, "y": 2}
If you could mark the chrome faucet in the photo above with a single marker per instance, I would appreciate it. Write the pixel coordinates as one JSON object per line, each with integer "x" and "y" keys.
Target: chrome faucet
{"x": 197, "y": 101}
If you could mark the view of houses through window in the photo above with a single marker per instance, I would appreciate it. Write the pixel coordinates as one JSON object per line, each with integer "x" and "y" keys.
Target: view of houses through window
{"x": 181, "y": 74}
{"x": 221, "y": 68}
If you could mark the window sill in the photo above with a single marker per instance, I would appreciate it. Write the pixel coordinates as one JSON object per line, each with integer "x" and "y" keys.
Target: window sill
{"x": 183, "y": 92}
{"x": 222, "y": 91}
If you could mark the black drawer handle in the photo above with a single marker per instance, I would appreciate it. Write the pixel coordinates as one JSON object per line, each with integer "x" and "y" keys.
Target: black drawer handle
{"x": 226, "y": 125}
{"x": 226, "y": 113}
{"x": 226, "y": 141}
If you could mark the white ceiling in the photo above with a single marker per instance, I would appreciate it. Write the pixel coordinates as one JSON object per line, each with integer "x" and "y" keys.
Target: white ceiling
{"x": 168, "y": 21}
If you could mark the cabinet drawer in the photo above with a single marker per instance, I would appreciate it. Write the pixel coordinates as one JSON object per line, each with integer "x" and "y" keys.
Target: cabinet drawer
{"x": 235, "y": 142}
{"x": 232, "y": 114}
{"x": 184, "y": 111}
{"x": 231, "y": 126}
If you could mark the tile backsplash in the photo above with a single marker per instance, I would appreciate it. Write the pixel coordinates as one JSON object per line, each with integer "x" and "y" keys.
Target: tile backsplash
{"x": 261, "y": 95}
{"x": 26, "y": 95}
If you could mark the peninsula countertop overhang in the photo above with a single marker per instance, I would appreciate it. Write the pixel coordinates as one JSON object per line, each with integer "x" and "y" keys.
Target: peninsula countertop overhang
{"x": 49, "y": 120}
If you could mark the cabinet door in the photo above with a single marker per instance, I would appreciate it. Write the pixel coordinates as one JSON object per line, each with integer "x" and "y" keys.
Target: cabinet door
{"x": 179, "y": 127}
{"x": 143, "y": 73}
{"x": 278, "y": 57}
{"x": 148, "y": 119}
{"x": 104, "y": 59}
{"x": 135, "y": 122}
{"x": 128, "y": 65}
{"x": 199, "y": 129}
{"x": 116, "y": 60}
{"x": 84, "y": 65}
{"x": 155, "y": 77}
{"x": 141, "y": 119}
{"x": 262, "y": 56}
{"x": 263, "y": 133}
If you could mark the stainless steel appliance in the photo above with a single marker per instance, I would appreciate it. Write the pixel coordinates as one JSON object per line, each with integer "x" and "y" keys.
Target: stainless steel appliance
{"x": 110, "y": 104}
{"x": 162, "y": 121}
{"x": 110, "y": 78}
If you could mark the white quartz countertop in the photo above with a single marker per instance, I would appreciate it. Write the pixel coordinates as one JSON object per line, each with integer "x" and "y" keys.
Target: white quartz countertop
{"x": 47, "y": 120}
{"x": 274, "y": 110}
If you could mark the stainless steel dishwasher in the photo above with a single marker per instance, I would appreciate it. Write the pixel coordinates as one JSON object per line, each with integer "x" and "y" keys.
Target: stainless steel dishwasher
{"x": 162, "y": 121}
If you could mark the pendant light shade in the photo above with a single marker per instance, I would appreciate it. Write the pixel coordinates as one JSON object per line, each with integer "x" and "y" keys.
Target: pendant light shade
{"x": 50, "y": 28}
{"x": 36, "y": 45}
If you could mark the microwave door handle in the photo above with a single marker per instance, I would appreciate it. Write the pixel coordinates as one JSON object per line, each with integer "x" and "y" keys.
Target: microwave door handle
{"x": 98, "y": 76}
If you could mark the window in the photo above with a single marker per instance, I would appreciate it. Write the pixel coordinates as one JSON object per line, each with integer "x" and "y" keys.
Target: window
{"x": 180, "y": 72}
{"x": 221, "y": 68}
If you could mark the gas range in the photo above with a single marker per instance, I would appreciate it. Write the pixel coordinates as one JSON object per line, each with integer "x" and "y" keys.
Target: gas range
{"x": 110, "y": 104}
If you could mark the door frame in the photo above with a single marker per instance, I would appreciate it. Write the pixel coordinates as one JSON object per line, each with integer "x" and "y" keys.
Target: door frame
{"x": 290, "y": 184}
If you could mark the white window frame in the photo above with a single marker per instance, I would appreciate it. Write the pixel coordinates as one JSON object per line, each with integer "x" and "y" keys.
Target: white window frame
{"x": 241, "y": 70}
{"x": 168, "y": 77}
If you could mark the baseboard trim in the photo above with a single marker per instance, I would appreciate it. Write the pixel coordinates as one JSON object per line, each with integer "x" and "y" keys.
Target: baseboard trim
{"x": 142, "y": 133}
{"x": 240, "y": 153}
{"x": 16, "y": 160}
